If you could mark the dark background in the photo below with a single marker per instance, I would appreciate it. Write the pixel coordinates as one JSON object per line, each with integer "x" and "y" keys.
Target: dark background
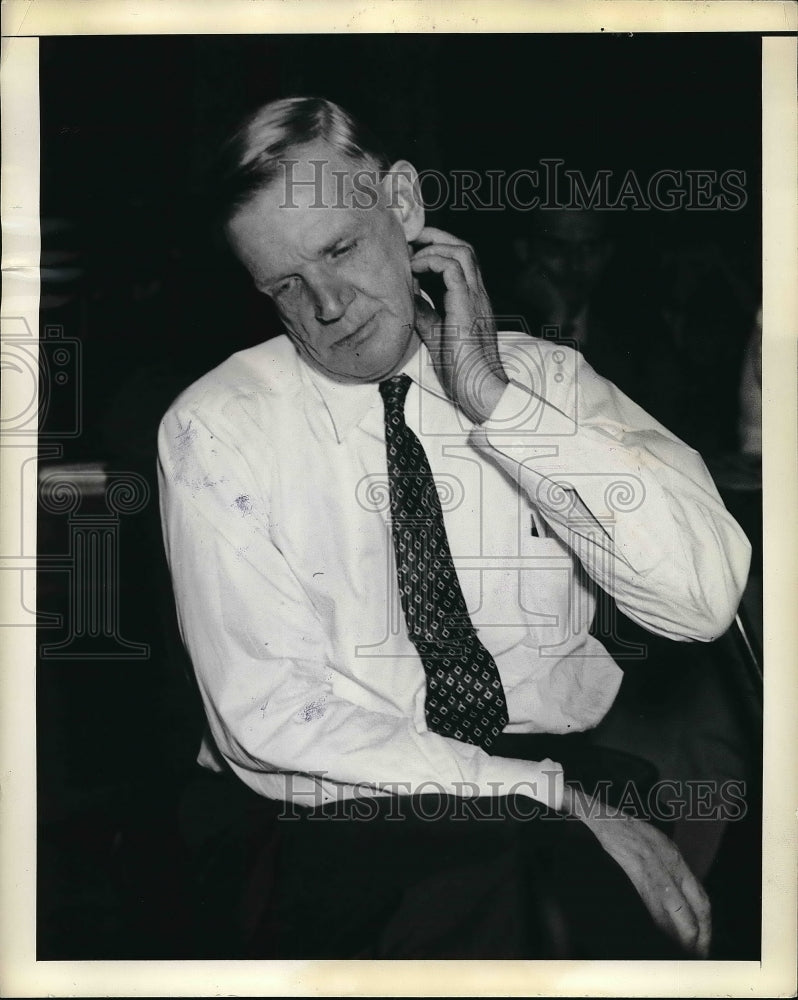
{"x": 128, "y": 126}
{"x": 133, "y": 274}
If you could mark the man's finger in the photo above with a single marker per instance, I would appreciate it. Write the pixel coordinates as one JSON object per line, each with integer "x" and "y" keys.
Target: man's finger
{"x": 428, "y": 322}
{"x": 698, "y": 899}
{"x": 694, "y": 891}
{"x": 678, "y": 918}
{"x": 462, "y": 254}
{"x": 704, "y": 939}
{"x": 425, "y": 312}
{"x": 429, "y": 234}
{"x": 449, "y": 267}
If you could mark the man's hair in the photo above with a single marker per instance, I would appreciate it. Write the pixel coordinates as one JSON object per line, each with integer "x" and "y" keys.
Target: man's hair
{"x": 250, "y": 159}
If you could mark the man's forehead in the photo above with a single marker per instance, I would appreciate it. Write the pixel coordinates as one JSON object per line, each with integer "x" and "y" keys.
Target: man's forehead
{"x": 317, "y": 176}
{"x": 270, "y": 234}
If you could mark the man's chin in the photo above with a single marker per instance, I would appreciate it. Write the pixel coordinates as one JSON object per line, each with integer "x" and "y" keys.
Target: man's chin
{"x": 370, "y": 362}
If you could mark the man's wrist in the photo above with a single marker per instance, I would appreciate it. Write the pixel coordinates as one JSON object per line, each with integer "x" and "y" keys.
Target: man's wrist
{"x": 576, "y": 802}
{"x": 569, "y": 801}
{"x": 487, "y": 394}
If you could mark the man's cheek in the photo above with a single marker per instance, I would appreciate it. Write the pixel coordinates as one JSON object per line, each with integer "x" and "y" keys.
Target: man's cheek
{"x": 393, "y": 286}
{"x": 299, "y": 331}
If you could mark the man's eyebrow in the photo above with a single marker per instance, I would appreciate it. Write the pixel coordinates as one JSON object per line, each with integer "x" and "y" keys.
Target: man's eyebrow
{"x": 351, "y": 230}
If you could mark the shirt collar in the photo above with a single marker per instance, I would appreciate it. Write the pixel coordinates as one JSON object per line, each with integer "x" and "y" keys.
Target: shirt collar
{"x": 347, "y": 405}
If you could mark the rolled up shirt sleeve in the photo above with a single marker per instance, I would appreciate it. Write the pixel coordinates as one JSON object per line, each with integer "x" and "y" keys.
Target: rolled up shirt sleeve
{"x": 261, "y": 653}
{"x": 636, "y": 505}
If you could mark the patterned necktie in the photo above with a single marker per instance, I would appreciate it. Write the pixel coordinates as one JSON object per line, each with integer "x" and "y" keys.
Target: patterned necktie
{"x": 465, "y": 697}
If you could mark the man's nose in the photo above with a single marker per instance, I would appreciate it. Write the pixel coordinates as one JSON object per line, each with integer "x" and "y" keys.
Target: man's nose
{"x": 331, "y": 299}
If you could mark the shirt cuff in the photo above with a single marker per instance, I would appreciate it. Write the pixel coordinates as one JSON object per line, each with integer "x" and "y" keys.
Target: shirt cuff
{"x": 522, "y": 414}
{"x": 541, "y": 780}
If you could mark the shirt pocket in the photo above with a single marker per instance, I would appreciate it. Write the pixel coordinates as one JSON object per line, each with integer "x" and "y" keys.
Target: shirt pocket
{"x": 548, "y": 592}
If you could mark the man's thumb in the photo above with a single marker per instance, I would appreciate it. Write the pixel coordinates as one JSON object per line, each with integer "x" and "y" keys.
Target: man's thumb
{"x": 428, "y": 322}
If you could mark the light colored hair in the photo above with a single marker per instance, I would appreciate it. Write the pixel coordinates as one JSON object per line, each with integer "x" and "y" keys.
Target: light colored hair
{"x": 250, "y": 159}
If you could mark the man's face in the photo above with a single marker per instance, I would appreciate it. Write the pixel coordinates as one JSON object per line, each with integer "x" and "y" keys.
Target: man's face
{"x": 339, "y": 274}
{"x": 572, "y": 249}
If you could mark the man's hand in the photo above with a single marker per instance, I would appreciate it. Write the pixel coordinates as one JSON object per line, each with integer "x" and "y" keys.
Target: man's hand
{"x": 462, "y": 343}
{"x": 672, "y": 895}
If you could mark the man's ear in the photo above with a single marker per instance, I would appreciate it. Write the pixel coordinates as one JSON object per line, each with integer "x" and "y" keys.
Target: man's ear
{"x": 402, "y": 191}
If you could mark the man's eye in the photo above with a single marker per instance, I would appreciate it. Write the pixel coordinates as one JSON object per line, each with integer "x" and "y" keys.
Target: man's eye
{"x": 344, "y": 249}
{"x": 282, "y": 287}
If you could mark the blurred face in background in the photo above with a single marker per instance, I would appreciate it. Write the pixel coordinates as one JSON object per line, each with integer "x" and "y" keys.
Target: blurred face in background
{"x": 568, "y": 251}
{"x": 330, "y": 247}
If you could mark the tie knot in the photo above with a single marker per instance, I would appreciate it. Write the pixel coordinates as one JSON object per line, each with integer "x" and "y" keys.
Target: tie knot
{"x": 394, "y": 390}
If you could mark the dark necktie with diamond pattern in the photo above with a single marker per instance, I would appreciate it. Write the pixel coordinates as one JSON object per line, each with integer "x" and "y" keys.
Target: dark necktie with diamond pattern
{"x": 465, "y": 697}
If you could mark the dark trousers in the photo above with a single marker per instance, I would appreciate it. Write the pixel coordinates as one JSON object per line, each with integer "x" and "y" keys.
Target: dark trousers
{"x": 438, "y": 877}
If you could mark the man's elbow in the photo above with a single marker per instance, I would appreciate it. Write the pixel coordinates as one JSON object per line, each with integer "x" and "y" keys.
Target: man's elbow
{"x": 721, "y": 596}
{"x": 713, "y": 623}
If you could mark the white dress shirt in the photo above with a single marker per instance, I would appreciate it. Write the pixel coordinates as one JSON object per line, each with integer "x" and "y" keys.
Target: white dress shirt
{"x": 275, "y": 508}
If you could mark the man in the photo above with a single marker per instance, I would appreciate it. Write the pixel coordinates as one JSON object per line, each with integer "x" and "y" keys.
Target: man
{"x": 561, "y": 265}
{"x": 373, "y": 639}
{"x": 564, "y": 284}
